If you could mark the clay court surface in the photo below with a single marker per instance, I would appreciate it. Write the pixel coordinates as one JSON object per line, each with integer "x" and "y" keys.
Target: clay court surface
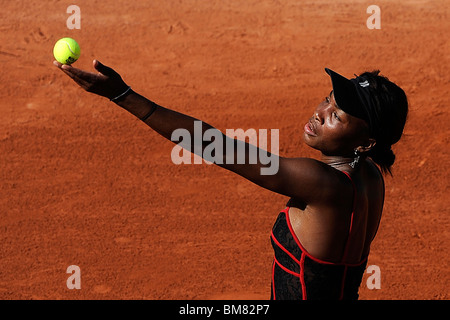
{"x": 85, "y": 183}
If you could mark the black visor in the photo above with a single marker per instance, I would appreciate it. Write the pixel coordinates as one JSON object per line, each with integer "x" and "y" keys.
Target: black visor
{"x": 353, "y": 97}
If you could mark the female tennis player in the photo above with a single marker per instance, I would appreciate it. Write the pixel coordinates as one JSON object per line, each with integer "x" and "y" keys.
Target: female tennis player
{"x": 322, "y": 238}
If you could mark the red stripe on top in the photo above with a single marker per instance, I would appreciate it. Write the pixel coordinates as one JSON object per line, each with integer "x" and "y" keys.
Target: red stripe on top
{"x": 284, "y": 249}
{"x": 286, "y": 269}
{"x": 273, "y": 280}
{"x": 302, "y": 276}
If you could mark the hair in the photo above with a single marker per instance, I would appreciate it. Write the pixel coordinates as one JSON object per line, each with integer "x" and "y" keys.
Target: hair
{"x": 391, "y": 110}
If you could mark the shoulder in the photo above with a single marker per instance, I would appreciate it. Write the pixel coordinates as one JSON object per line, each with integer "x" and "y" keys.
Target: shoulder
{"x": 313, "y": 181}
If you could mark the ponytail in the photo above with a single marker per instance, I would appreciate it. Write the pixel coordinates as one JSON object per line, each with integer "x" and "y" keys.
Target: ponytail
{"x": 383, "y": 156}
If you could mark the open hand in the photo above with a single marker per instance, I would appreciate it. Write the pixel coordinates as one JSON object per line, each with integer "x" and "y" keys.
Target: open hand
{"x": 106, "y": 82}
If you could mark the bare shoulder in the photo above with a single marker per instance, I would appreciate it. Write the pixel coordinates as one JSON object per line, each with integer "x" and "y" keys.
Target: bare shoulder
{"x": 312, "y": 181}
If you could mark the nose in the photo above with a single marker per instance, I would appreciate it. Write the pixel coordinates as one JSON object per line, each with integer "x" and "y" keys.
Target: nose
{"x": 320, "y": 113}
{"x": 318, "y": 117}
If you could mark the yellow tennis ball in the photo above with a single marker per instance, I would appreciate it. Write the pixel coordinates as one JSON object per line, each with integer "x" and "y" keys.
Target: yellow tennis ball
{"x": 66, "y": 51}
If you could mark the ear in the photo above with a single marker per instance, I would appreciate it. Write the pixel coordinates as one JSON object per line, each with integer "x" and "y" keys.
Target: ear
{"x": 367, "y": 147}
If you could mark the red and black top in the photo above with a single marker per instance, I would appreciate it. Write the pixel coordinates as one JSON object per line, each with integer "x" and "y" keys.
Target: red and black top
{"x": 297, "y": 275}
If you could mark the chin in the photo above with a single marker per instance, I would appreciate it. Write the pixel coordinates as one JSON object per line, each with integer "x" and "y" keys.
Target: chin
{"x": 308, "y": 142}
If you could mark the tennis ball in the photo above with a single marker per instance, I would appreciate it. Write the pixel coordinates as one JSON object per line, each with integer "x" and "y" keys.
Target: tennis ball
{"x": 66, "y": 51}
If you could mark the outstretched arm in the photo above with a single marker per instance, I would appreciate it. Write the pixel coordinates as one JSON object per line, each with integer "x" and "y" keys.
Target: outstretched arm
{"x": 296, "y": 177}
{"x": 108, "y": 83}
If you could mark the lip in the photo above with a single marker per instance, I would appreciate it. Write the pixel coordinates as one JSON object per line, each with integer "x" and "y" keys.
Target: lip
{"x": 309, "y": 129}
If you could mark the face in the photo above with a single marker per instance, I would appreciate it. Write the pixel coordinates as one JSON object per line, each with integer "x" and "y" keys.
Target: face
{"x": 334, "y": 132}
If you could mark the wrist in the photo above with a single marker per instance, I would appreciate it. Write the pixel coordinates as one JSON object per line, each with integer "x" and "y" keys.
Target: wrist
{"x": 121, "y": 95}
{"x": 139, "y": 106}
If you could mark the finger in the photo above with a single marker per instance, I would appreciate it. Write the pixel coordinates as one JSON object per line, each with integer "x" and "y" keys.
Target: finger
{"x": 69, "y": 70}
{"x": 75, "y": 74}
{"x": 81, "y": 74}
{"x": 80, "y": 81}
{"x": 59, "y": 66}
{"x": 100, "y": 67}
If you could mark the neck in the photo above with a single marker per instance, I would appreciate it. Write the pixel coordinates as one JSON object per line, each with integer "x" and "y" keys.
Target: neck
{"x": 339, "y": 162}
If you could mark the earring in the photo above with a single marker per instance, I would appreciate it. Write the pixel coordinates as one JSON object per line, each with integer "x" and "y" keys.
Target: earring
{"x": 356, "y": 160}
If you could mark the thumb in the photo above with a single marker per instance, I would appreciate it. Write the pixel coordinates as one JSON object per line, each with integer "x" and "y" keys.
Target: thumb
{"x": 100, "y": 67}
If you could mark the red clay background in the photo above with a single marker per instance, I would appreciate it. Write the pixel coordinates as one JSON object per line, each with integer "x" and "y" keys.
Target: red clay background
{"x": 85, "y": 183}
